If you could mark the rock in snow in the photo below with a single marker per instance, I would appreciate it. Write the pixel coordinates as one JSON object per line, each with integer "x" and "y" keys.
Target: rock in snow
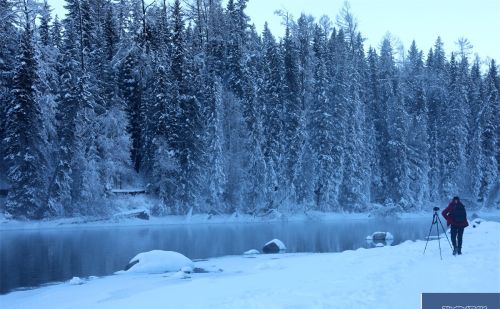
{"x": 274, "y": 246}
{"x": 159, "y": 261}
{"x": 380, "y": 236}
{"x": 251, "y": 252}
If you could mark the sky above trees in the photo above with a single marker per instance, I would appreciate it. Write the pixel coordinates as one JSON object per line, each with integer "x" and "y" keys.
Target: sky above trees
{"x": 421, "y": 20}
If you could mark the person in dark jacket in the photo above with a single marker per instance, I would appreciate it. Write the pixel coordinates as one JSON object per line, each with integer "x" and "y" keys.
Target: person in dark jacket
{"x": 456, "y": 217}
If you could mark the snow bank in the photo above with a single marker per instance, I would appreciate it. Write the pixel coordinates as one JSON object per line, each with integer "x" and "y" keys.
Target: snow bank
{"x": 387, "y": 277}
{"x": 158, "y": 261}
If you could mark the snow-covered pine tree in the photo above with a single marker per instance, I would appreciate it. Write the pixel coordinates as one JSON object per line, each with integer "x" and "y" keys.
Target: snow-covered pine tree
{"x": 454, "y": 134}
{"x": 292, "y": 114}
{"x": 337, "y": 66}
{"x": 10, "y": 45}
{"x": 110, "y": 33}
{"x": 56, "y": 33}
{"x": 130, "y": 87}
{"x": 475, "y": 99}
{"x": 44, "y": 28}
{"x": 68, "y": 104}
{"x": 302, "y": 35}
{"x": 326, "y": 182}
{"x": 391, "y": 125}
{"x": 375, "y": 120}
{"x": 235, "y": 36}
{"x": 354, "y": 190}
{"x": 272, "y": 111}
{"x": 161, "y": 136}
{"x": 489, "y": 136}
{"x": 215, "y": 47}
{"x": 255, "y": 188}
{"x": 160, "y": 30}
{"x": 47, "y": 84}
{"x": 24, "y": 143}
{"x": 189, "y": 120}
{"x": 211, "y": 96}
{"x": 76, "y": 182}
{"x": 436, "y": 93}
{"x": 417, "y": 138}
{"x": 215, "y": 177}
{"x": 110, "y": 124}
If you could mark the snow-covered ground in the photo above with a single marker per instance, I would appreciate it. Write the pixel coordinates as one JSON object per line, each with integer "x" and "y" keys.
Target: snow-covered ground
{"x": 387, "y": 277}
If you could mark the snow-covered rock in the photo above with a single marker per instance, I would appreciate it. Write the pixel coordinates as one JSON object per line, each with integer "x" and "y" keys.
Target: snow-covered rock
{"x": 251, "y": 252}
{"x": 380, "y": 236}
{"x": 76, "y": 281}
{"x": 274, "y": 246}
{"x": 158, "y": 261}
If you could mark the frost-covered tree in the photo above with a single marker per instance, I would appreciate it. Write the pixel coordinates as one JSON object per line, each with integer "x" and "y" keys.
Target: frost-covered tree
{"x": 23, "y": 141}
{"x": 56, "y": 32}
{"x": 130, "y": 91}
{"x": 475, "y": 97}
{"x": 489, "y": 135}
{"x": 44, "y": 27}
{"x": 417, "y": 137}
{"x": 9, "y": 47}
{"x": 188, "y": 144}
{"x": 354, "y": 188}
{"x": 68, "y": 105}
{"x": 292, "y": 112}
{"x": 273, "y": 117}
{"x": 436, "y": 96}
{"x": 215, "y": 174}
{"x": 326, "y": 182}
{"x": 454, "y": 141}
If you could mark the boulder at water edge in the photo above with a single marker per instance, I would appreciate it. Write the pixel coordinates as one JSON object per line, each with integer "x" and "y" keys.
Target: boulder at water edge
{"x": 159, "y": 261}
{"x": 274, "y": 246}
{"x": 380, "y": 236}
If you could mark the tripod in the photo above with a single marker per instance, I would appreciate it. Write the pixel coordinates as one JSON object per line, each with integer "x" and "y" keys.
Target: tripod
{"x": 435, "y": 221}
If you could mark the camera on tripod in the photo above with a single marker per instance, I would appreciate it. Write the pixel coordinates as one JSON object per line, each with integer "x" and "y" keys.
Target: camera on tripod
{"x": 437, "y": 222}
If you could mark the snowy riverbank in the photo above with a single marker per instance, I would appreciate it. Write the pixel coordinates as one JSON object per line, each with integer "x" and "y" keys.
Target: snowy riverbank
{"x": 121, "y": 220}
{"x": 388, "y": 277}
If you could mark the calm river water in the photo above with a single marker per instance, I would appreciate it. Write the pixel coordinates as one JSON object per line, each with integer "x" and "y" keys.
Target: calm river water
{"x": 30, "y": 258}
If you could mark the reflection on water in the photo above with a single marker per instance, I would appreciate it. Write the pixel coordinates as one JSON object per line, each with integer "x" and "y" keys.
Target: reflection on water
{"x": 31, "y": 258}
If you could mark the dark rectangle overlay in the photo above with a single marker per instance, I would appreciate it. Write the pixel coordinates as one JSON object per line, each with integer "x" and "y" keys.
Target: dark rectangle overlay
{"x": 460, "y": 300}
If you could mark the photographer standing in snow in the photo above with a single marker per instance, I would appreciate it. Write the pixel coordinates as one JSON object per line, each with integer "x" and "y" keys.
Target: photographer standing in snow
{"x": 456, "y": 216}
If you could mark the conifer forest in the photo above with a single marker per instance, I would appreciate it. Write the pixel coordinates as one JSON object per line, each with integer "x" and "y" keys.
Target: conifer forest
{"x": 190, "y": 102}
